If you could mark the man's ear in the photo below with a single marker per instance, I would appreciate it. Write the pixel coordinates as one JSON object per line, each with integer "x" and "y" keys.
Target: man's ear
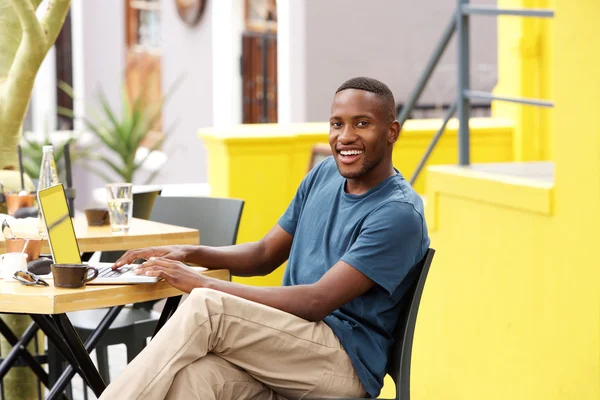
{"x": 394, "y": 132}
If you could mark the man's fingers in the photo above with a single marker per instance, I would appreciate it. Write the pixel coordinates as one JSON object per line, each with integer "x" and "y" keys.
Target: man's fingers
{"x": 124, "y": 258}
{"x": 153, "y": 262}
{"x": 132, "y": 255}
{"x": 165, "y": 262}
{"x": 159, "y": 271}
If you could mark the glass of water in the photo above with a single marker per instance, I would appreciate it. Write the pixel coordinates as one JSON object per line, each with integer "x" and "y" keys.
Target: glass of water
{"x": 120, "y": 206}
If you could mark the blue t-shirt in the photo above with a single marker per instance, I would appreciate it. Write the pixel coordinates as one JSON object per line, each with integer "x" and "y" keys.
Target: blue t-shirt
{"x": 381, "y": 233}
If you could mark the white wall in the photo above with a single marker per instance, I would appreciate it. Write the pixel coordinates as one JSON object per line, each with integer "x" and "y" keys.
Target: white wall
{"x": 390, "y": 40}
{"x": 187, "y": 53}
{"x": 98, "y": 32}
{"x": 99, "y": 61}
{"x": 291, "y": 61}
{"x": 227, "y": 27}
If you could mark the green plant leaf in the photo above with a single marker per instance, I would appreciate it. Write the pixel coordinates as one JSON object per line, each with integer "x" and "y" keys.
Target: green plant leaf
{"x": 97, "y": 172}
{"x": 98, "y": 157}
{"x": 66, "y": 88}
{"x": 110, "y": 115}
{"x": 65, "y": 112}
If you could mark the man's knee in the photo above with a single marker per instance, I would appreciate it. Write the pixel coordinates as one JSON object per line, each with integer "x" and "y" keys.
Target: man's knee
{"x": 214, "y": 299}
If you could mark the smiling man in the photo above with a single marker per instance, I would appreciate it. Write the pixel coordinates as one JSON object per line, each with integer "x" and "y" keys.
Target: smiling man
{"x": 351, "y": 235}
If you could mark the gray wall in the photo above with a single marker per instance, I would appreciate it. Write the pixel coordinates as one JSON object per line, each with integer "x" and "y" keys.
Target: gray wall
{"x": 186, "y": 54}
{"x": 390, "y": 40}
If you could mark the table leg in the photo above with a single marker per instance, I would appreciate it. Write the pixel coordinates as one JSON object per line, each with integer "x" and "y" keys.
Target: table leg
{"x": 90, "y": 344}
{"x": 167, "y": 312}
{"x": 88, "y": 369}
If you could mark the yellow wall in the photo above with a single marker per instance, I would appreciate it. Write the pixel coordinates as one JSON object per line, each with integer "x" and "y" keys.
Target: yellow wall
{"x": 511, "y": 309}
{"x": 264, "y": 164}
{"x": 525, "y": 70}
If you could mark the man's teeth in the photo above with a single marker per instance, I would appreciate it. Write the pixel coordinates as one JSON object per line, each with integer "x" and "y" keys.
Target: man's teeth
{"x": 350, "y": 152}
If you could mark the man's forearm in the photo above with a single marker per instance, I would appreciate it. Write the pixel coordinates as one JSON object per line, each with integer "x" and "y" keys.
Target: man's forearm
{"x": 300, "y": 300}
{"x": 245, "y": 259}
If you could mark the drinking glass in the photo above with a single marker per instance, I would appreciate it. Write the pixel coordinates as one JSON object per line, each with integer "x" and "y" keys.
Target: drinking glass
{"x": 120, "y": 206}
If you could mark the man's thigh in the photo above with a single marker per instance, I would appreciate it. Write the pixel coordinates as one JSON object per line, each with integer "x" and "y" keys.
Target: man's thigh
{"x": 288, "y": 354}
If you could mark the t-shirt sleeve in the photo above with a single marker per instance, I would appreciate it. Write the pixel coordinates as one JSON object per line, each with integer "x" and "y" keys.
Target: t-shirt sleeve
{"x": 289, "y": 220}
{"x": 388, "y": 245}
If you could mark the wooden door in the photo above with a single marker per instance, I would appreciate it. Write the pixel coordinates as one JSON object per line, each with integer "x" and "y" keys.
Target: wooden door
{"x": 259, "y": 77}
{"x": 259, "y": 62}
{"x": 143, "y": 56}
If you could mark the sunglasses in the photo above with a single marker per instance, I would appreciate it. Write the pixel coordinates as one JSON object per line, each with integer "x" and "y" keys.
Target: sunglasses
{"x": 29, "y": 279}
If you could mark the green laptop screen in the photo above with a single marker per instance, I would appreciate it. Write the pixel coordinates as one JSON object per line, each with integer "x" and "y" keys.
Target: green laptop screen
{"x": 61, "y": 234}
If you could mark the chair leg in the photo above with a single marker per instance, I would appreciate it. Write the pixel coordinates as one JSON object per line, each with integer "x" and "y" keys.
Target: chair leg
{"x": 102, "y": 356}
{"x": 54, "y": 364}
{"x": 134, "y": 347}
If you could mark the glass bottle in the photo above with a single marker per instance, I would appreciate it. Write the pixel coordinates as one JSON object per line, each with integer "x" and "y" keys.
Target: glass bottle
{"x": 48, "y": 178}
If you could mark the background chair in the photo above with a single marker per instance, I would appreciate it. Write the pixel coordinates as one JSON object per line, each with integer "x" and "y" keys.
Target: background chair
{"x": 218, "y": 221}
{"x": 401, "y": 352}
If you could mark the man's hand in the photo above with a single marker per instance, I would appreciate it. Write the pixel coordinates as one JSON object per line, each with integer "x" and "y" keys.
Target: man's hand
{"x": 177, "y": 253}
{"x": 175, "y": 273}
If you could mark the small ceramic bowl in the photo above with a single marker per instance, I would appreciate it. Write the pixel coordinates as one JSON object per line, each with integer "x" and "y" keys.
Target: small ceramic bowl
{"x": 97, "y": 216}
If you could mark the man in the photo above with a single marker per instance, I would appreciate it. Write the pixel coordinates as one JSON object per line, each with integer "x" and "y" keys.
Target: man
{"x": 351, "y": 235}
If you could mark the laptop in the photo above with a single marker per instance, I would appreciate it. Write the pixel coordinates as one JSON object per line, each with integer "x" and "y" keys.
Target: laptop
{"x": 64, "y": 246}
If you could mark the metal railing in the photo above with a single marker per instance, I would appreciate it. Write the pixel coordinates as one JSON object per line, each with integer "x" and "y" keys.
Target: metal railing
{"x": 459, "y": 23}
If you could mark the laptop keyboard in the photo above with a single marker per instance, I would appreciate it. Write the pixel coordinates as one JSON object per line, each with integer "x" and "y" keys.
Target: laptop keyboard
{"x": 107, "y": 272}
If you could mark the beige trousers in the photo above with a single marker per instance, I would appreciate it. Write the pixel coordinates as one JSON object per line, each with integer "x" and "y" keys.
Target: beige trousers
{"x": 219, "y": 346}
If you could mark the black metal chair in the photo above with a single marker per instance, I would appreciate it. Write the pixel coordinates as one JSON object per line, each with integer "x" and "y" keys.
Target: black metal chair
{"x": 401, "y": 353}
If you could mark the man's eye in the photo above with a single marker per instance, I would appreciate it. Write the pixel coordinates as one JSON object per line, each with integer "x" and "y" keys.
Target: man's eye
{"x": 336, "y": 124}
{"x": 362, "y": 123}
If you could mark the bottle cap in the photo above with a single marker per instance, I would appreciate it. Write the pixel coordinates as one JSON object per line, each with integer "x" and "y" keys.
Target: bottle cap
{"x": 46, "y": 149}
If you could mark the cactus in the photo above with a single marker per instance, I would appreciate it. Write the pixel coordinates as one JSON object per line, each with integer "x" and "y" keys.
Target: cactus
{"x": 24, "y": 42}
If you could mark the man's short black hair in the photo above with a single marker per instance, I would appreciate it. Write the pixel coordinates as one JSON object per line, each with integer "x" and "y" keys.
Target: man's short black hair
{"x": 380, "y": 89}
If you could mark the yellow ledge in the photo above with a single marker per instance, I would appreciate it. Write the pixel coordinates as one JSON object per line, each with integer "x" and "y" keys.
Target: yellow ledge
{"x": 522, "y": 186}
{"x": 248, "y": 133}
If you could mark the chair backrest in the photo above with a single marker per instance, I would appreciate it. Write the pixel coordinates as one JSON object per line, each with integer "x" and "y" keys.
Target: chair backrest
{"x": 143, "y": 202}
{"x": 318, "y": 153}
{"x": 401, "y": 353}
{"x": 217, "y": 219}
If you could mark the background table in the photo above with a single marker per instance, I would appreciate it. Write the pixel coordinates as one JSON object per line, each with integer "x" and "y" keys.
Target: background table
{"x": 143, "y": 233}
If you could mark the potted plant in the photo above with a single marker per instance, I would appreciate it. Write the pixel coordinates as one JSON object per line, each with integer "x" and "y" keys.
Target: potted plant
{"x": 32, "y": 145}
{"x": 129, "y": 138}
{"x": 24, "y": 43}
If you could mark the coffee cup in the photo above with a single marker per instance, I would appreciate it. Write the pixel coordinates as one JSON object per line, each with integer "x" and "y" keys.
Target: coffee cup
{"x": 72, "y": 275}
{"x": 11, "y": 263}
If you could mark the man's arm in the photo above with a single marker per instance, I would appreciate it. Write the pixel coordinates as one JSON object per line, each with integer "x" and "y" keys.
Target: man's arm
{"x": 247, "y": 259}
{"x": 313, "y": 302}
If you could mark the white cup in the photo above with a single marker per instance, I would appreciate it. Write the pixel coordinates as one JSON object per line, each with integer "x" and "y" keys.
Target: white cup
{"x": 11, "y": 263}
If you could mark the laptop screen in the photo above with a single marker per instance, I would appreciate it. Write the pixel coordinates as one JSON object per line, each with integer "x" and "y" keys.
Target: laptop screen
{"x": 61, "y": 234}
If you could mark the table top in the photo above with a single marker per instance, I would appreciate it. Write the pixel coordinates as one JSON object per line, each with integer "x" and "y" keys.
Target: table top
{"x": 18, "y": 298}
{"x": 142, "y": 233}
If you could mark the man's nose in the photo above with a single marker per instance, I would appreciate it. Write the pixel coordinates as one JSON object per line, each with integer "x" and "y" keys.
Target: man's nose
{"x": 347, "y": 135}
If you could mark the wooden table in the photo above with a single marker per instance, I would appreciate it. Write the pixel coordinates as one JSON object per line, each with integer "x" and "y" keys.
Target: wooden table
{"x": 47, "y": 306}
{"x": 18, "y": 298}
{"x": 142, "y": 233}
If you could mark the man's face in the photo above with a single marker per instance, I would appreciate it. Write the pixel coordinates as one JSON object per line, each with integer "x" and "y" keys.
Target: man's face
{"x": 359, "y": 129}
